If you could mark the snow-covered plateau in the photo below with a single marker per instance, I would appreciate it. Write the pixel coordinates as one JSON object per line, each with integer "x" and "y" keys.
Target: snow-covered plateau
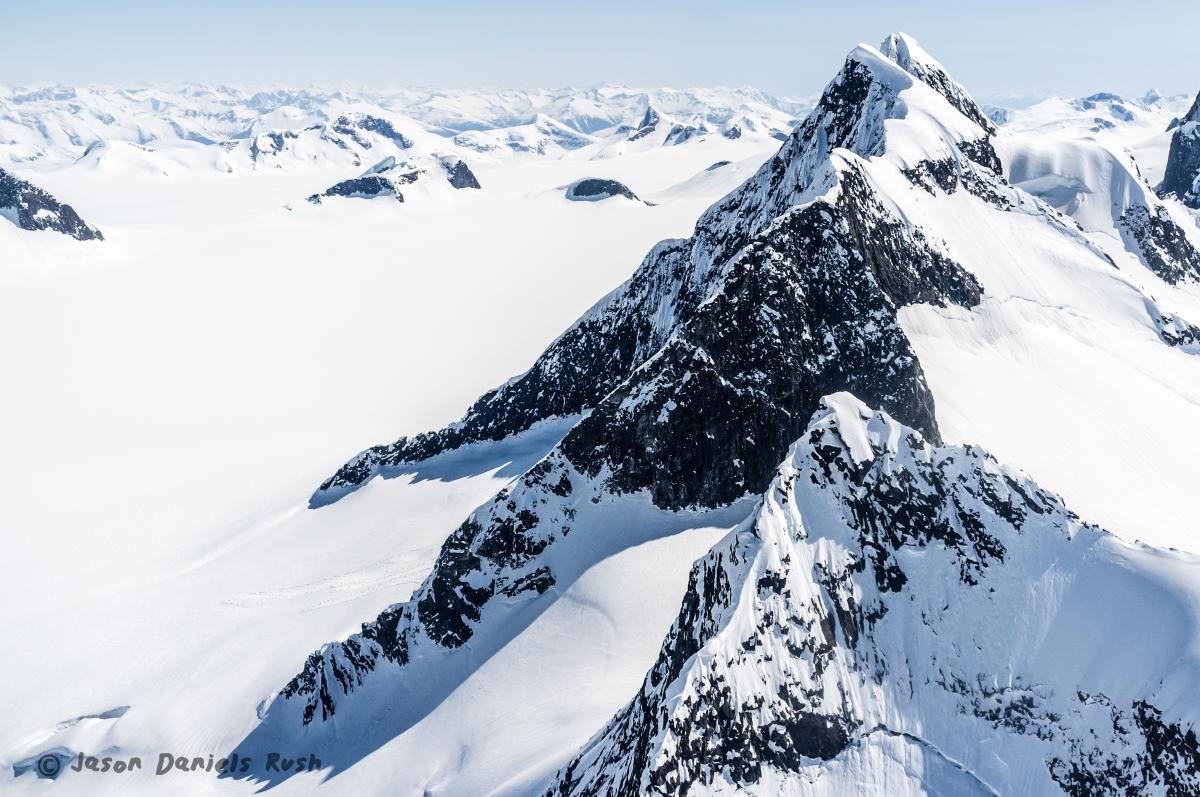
{"x": 600, "y": 442}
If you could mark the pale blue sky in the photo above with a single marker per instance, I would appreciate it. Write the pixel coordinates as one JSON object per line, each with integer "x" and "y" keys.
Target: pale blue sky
{"x": 995, "y": 48}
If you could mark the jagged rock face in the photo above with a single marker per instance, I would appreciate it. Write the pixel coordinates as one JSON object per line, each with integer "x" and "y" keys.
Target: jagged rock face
{"x": 494, "y": 552}
{"x": 617, "y": 335}
{"x": 648, "y": 125}
{"x": 1162, "y": 244}
{"x": 352, "y": 125}
{"x": 682, "y": 133}
{"x": 888, "y": 591}
{"x": 460, "y": 175}
{"x": 1182, "y": 177}
{"x": 808, "y": 309}
{"x": 593, "y": 189}
{"x": 31, "y": 208}
{"x": 1175, "y": 330}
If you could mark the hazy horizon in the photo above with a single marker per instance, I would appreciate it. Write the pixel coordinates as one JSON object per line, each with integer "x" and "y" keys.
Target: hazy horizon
{"x": 785, "y": 49}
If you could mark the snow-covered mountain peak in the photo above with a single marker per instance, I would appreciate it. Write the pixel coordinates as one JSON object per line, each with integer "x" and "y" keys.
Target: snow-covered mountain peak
{"x": 917, "y": 615}
{"x": 912, "y": 58}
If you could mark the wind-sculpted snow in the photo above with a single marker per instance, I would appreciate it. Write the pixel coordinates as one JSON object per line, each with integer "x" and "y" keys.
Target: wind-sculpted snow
{"x": 1182, "y": 178}
{"x": 889, "y": 591}
{"x": 625, "y": 328}
{"x": 1103, "y": 190}
{"x": 31, "y": 208}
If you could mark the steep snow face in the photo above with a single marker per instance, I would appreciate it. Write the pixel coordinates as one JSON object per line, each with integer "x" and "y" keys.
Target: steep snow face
{"x": 1182, "y": 177}
{"x": 916, "y": 615}
{"x": 31, "y": 208}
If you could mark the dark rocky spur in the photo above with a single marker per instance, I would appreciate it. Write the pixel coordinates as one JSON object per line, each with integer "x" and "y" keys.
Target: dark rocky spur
{"x": 31, "y": 208}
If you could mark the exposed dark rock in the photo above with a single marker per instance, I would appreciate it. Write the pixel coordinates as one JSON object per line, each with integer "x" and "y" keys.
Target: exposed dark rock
{"x": 734, "y": 132}
{"x": 709, "y": 418}
{"x": 460, "y": 175}
{"x": 680, "y": 134}
{"x": 350, "y": 125}
{"x": 1174, "y": 330}
{"x": 1182, "y": 177}
{"x": 366, "y": 187}
{"x": 31, "y": 208}
{"x": 593, "y": 188}
{"x": 1155, "y": 756}
{"x": 648, "y": 125}
{"x": 1163, "y": 246}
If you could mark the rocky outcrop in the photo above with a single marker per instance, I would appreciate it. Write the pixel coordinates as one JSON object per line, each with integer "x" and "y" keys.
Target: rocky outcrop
{"x": 807, "y": 309}
{"x": 913, "y": 59}
{"x": 387, "y": 178}
{"x": 459, "y": 174}
{"x": 647, "y": 126}
{"x": 31, "y": 208}
{"x": 594, "y": 189}
{"x": 355, "y": 125}
{"x": 1162, "y": 244}
{"x": 384, "y": 179}
{"x": 1182, "y": 176}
